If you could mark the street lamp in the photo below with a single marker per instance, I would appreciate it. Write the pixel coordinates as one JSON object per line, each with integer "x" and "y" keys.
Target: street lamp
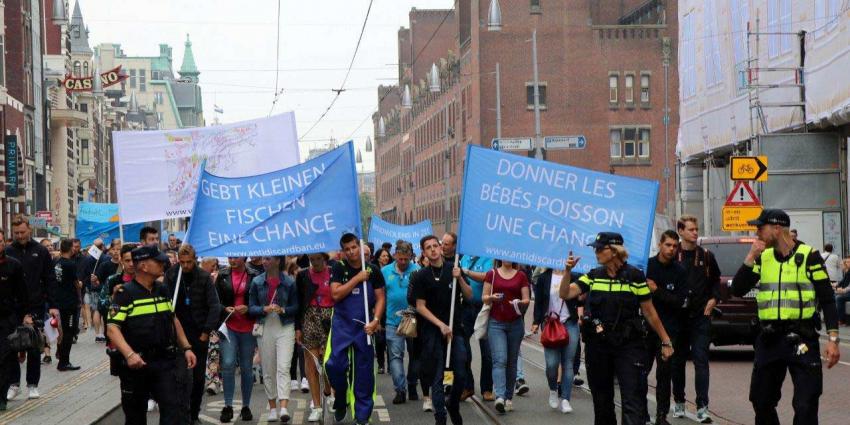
{"x": 494, "y": 15}
{"x": 368, "y": 144}
{"x": 406, "y": 103}
{"x": 434, "y": 78}
{"x": 382, "y": 128}
{"x": 60, "y": 16}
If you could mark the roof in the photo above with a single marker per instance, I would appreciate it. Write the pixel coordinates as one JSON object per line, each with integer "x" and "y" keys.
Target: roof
{"x": 188, "y": 69}
{"x": 79, "y": 32}
{"x": 185, "y": 94}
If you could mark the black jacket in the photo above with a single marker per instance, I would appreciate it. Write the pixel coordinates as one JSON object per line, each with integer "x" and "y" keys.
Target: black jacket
{"x": 306, "y": 292}
{"x": 703, "y": 279}
{"x": 14, "y": 300}
{"x": 204, "y": 305}
{"x": 542, "y": 289}
{"x": 38, "y": 273}
{"x": 672, "y": 290}
{"x": 224, "y": 289}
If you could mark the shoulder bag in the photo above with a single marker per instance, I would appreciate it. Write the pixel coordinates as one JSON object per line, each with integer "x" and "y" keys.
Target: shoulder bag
{"x": 479, "y": 329}
{"x": 407, "y": 326}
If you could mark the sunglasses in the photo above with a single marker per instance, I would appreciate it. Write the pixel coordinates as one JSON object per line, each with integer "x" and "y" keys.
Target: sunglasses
{"x": 598, "y": 249}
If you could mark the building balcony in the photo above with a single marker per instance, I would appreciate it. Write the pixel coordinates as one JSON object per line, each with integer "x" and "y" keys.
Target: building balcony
{"x": 85, "y": 172}
{"x": 67, "y": 118}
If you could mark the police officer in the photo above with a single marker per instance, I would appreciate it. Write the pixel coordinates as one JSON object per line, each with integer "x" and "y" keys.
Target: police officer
{"x": 149, "y": 338}
{"x": 15, "y": 309}
{"x": 612, "y": 328}
{"x": 792, "y": 283}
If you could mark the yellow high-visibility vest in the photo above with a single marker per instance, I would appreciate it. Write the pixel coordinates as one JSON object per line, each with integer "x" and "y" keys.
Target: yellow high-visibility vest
{"x": 786, "y": 291}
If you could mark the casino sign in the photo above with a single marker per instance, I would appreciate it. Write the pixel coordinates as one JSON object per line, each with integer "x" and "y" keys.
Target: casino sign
{"x": 108, "y": 78}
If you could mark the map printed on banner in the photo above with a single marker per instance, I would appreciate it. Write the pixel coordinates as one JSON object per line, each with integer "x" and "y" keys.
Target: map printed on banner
{"x": 156, "y": 172}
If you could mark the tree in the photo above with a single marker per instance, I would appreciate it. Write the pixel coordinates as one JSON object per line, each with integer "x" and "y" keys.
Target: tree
{"x": 367, "y": 208}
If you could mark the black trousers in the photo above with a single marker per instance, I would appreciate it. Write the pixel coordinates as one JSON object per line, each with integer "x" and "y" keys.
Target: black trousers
{"x": 773, "y": 359}
{"x": 162, "y": 380}
{"x": 414, "y": 366}
{"x": 70, "y": 320}
{"x": 625, "y": 361}
{"x": 8, "y": 361}
{"x": 197, "y": 375}
{"x": 663, "y": 376}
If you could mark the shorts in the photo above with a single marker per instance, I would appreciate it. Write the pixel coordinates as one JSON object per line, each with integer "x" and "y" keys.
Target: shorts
{"x": 316, "y": 327}
{"x": 90, "y": 299}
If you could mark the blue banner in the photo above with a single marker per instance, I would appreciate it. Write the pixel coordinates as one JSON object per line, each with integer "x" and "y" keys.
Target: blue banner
{"x": 534, "y": 212}
{"x": 88, "y": 231}
{"x": 97, "y": 212}
{"x": 297, "y": 210}
{"x": 381, "y": 231}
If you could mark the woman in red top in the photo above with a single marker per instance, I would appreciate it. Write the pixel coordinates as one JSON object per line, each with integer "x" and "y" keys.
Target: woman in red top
{"x": 232, "y": 286}
{"x": 313, "y": 322}
{"x": 506, "y": 290}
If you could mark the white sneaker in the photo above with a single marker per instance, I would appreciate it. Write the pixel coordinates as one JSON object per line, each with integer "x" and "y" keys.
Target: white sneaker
{"x": 151, "y": 405}
{"x": 330, "y": 403}
{"x": 679, "y": 410}
{"x": 315, "y": 415}
{"x": 427, "y": 405}
{"x": 304, "y": 384}
{"x": 34, "y": 392}
{"x": 702, "y": 416}
{"x": 565, "y": 406}
{"x": 284, "y": 415}
{"x": 500, "y": 405}
{"x": 509, "y": 405}
{"x": 295, "y": 385}
{"x": 553, "y": 399}
{"x": 13, "y": 392}
{"x": 272, "y": 415}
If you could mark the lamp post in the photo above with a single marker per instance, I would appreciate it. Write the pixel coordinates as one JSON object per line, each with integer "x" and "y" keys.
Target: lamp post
{"x": 436, "y": 87}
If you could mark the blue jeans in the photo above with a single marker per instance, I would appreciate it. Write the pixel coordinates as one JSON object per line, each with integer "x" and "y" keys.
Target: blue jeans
{"x": 395, "y": 349}
{"x": 563, "y": 357}
{"x": 840, "y": 300}
{"x": 694, "y": 336}
{"x": 505, "y": 339}
{"x": 470, "y": 312}
{"x": 237, "y": 347}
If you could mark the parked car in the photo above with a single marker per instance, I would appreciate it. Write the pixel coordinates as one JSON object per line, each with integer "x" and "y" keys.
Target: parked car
{"x": 736, "y": 318}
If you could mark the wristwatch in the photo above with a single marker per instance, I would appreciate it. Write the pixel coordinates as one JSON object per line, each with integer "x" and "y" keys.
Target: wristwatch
{"x": 834, "y": 339}
{"x": 667, "y": 344}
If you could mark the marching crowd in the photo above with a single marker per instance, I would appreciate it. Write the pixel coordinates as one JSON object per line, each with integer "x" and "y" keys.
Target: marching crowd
{"x": 177, "y": 327}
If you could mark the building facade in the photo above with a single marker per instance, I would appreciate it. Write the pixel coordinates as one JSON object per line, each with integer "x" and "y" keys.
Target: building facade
{"x": 759, "y": 77}
{"x": 606, "y": 71}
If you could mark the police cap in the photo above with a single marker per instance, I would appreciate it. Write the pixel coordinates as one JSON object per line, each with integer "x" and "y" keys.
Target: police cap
{"x": 771, "y": 216}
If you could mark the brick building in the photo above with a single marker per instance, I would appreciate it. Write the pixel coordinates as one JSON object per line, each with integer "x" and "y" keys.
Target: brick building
{"x": 601, "y": 74}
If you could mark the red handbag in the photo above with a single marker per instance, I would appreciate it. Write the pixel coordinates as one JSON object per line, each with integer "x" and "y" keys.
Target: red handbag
{"x": 554, "y": 334}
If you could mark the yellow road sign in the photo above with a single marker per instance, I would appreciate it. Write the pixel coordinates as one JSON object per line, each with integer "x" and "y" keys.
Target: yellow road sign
{"x": 735, "y": 218}
{"x": 749, "y": 168}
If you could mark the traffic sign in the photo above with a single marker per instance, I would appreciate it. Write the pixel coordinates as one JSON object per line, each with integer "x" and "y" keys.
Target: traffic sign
{"x": 735, "y": 218}
{"x": 512, "y": 144}
{"x": 47, "y": 215}
{"x": 742, "y": 195}
{"x": 564, "y": 142}
{"x": 749, "y": 168}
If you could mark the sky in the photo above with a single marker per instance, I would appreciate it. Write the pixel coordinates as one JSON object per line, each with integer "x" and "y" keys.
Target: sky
{"x": 234, "y": 43}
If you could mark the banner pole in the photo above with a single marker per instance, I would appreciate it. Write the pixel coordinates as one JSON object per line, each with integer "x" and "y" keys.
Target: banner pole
{"x": 452, "y": 314}
{"x": 365, "y": 292}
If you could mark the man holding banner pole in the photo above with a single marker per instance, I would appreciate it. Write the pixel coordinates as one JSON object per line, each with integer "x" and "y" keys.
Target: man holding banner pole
{"x": 349, "y": 341}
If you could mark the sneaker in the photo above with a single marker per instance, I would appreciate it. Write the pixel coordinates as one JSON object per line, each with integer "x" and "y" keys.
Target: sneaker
{"x": 427, "y": 405}
{"x": 399, "y": 397}
{"x": 226, "y": 414}
{"x": 381, "y": 370}
{"x": 553, "y": 399}
{"x": 272, "y": 415}
{"x": 246, "y": 414}
{"x": 488, "y": 396}
{"x": 305, "y": 386}
{"x": 500, "y": 406}
{"x": 151, "y": 405}
{"x": 47, "y": 359}
{"x": 521, "y": 388}
{"x": 679, "y": 410}
{"x": 702, "y": 415}
{"x": 577, "y": 381}
{"x": 295, "y": 385}
{"x": 315, "y": 415}
{"x": 509, "y": 405}
{"x": 33, "y": 393}
{"x": 67, "y": 367}
{"x": 211, "y": 389}
{"x": 13, "y": 392}
{"x": 339, "y": 409}
{"x": 284, "y": 415}
{"x": 566, "y": 407}
{"x": 330, "y": 403}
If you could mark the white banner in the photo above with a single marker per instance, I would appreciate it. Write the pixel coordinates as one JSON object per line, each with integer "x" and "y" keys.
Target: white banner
{"x": 156, "y": 172}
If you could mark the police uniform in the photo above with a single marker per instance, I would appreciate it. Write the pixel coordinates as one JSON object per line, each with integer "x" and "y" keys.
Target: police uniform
{"x": 146, "y": 321}
{"x": 790, "y": 291}
{"x": 347, "y": 344}
{"x": 614, "y": 337}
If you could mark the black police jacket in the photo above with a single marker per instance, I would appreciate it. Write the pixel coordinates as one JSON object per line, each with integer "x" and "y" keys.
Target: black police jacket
{"x": 14, "y": 300}
{"x": 204, "y": 305}
{"x": 145, "y": 319}
{"x": 39, "y": 273}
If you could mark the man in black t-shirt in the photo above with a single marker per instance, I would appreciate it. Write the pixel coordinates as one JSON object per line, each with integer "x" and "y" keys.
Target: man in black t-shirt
{"x": 68, "y": 301}
{"x": 433, "y": 292}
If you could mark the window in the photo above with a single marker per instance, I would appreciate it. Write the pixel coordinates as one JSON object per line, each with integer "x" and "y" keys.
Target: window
{"x": 84, "y": 152}
{"x": 616, "y": 144}
{"x": 158, "y": 98}
{"x": 739, "y": 40}
{"x": 529, "y": 94}
{"x": 535, "y": 6}
{"x": 160, "y": 117}
{"x": 132, "y": 78}
{"x": 779, "y": 20}
{"x": 643, "y": 143}
{"x": 687, "y": 59}
{"x": 629, "y": 142}
{"x": 644, "y": 88}
{"x": 826, "y": 15}
{"x": 155, "y": 75}
{"x": 84, "y": 107}
{"x": 711, "y": 49}
{"x": 85, "y": 69}
{"x": 142, "y": 80}
{"x": 77, "y": 69}
{"x": 630, "y": 88}
{"x": 613, "y": 83}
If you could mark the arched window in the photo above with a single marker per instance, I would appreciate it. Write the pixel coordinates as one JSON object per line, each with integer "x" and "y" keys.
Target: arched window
{"x": 85, "y": 69}
{"x": 77, "y": 69}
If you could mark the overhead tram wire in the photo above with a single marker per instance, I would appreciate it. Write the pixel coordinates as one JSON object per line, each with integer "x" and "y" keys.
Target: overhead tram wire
{"x": 277, "y": 92}
{"x": 341, "y": 88}
{"x": 415, "y": 58}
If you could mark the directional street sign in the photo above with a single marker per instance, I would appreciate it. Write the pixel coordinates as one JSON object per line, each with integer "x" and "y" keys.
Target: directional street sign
{"x": 514, "y": 144}
{"x": 564, "y": 142}
{"x": 749, "y": 168}
{"x": 742, "y": 205}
